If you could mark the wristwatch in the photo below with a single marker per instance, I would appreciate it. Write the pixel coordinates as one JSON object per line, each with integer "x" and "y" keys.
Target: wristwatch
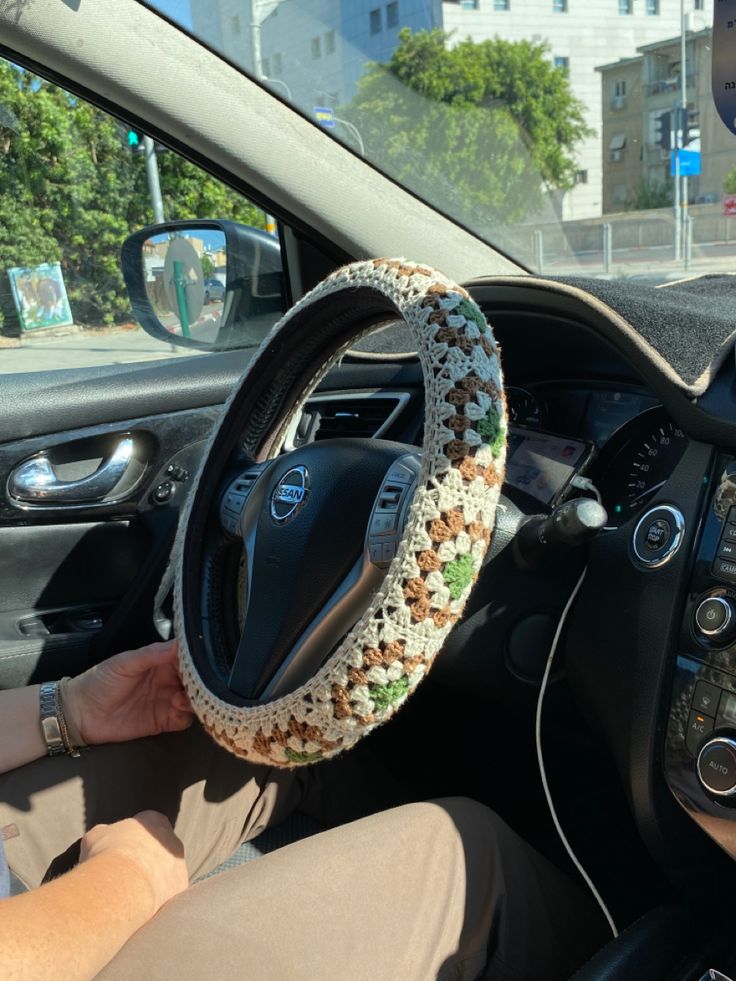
{"x": 50, "y": 719}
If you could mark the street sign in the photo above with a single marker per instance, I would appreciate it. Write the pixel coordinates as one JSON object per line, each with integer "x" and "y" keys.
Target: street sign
{"x": 689, "y": 163}
{"x": 325, "y": 116}
{"x": 729, "y": 205}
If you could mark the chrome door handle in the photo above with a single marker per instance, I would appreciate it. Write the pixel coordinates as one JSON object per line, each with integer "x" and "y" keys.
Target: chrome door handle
{"x": 35, "y": 481}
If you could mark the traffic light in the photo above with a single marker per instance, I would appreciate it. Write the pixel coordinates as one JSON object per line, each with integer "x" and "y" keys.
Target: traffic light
{"x": 134, "y": 139}
{"x": 691, "y": 129}
{"x": 663, "y": 131}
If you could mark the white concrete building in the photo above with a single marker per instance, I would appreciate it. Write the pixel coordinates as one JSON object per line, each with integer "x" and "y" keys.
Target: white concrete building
{"x": 581, "y": 35}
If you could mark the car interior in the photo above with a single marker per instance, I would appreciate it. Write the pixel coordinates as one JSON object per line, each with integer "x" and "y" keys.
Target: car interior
{"x": 618, "y": 393}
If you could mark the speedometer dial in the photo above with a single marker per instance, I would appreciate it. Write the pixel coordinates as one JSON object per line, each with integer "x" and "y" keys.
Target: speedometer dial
{"x": 637, "y": 461}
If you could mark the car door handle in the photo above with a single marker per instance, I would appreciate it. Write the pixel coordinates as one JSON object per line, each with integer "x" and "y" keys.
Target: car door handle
{"x": 36, "y": 482}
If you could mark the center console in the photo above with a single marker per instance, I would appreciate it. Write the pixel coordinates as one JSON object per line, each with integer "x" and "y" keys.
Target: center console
{"x": 700, "y": 750}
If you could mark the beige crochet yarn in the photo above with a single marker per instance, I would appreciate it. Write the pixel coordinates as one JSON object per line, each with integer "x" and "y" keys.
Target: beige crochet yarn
{"x": 391, "y": 648}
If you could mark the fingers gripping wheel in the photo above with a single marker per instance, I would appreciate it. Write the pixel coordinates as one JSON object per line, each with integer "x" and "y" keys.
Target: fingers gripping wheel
{"x": 447, "y": 530}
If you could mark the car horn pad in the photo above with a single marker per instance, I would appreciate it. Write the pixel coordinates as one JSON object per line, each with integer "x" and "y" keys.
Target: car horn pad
{"x": 448, "y": 528}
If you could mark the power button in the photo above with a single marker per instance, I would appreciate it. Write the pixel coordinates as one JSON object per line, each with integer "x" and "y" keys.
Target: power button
{"x": 714, "y": 617}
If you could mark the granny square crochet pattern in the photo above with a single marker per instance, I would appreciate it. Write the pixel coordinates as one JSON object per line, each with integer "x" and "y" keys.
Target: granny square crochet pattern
{"x": 448, "y": 530}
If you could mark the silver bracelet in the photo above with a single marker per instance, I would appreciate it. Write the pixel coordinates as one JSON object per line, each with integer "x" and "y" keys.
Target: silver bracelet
{"x": 53, "y": 722}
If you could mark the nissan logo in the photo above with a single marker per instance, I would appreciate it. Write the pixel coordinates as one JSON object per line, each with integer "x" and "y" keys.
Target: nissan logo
{"x": 290, "y": 494}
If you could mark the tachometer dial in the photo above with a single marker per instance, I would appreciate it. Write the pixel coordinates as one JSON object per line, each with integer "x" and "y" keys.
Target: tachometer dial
{"x": 637, "y": 461}
{"x": 525, "y": 409}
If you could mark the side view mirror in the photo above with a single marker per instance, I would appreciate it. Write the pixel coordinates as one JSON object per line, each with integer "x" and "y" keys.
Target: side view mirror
{"x": 206, "y": 284}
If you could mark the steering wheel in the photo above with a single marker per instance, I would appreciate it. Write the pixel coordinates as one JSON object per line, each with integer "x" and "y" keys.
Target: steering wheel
{"x": 314, "y": 588}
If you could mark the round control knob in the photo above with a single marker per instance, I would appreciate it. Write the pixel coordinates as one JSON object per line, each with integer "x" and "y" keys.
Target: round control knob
{"x": 714, "y": 616}
{"x": 717, "y": 766}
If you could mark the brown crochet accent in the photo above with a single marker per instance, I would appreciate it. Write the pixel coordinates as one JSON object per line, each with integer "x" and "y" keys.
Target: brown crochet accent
{"x": 371, "y": 657}
{"x": 468, "y": 468}
{"x": 429, "y": 561}
{"x": 357, "y": 677}
{"x": 420, "y": 610}
{"x": 455, "y": 521}
{"x": 458, "y": 424}
{"x": 456, "y": 397}
{"x": 415, "y": 589}
{"x": 439, "y": 531}
{"x": 411, "y": 663}
{"x": 393, "y": 650}
{"x": 445, "y": 335}
{"x": 341, "y": 701}
{"x": 456, "y": 449}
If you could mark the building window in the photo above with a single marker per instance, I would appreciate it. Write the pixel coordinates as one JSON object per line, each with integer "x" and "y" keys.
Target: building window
{"x": 316, "y": 47}
{"x": 653, "y": 8}
{"x": 619, "y": 88}
{"x": 235, "y": 25}
{"x": 625, "y": 6}
{"x": 581, "y": 176}
{"x": 501, "y": 4}
{"x": 469, "y": 4}
{"x": 330, "y": 43}
{"x": 374, "y": 18}
{"x": 277, "y": 63}
{"x": 616, "y": 147}
{"x": 392, "y": 14}
{"x": 699, "y": 4}
{"x": 559, "y": 6}
{"x": 563, "y": 62}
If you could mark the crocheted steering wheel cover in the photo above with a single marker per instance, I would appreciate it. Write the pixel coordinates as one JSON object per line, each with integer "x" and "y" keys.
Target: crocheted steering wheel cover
{"x": 448, "y": 530}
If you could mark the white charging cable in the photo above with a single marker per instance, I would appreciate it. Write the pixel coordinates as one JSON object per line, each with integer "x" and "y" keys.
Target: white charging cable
{"x": 540, "y": 758}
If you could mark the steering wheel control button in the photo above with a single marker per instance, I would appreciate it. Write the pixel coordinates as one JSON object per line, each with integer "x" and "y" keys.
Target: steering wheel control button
{"x": 725, "y": 569}
{"x": 383, "y": 523}
{"x": 699, "y": 726}
{"x": 386, "y": 524}
{"x": 290, "y": 495}
{"x": 727, "y": 550}
{"x": 657, "y": 536}
{"x": 234, "y": 498}
{"x": 717, "y": 766}
{"x": 714, "y": 617}
{"x": 706, "y": 698}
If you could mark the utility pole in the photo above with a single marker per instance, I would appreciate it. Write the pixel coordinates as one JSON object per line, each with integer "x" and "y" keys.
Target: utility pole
{"x": 682, "y": 115}
{"x": 154, "y": 185}
{"x": 255, "y": 47}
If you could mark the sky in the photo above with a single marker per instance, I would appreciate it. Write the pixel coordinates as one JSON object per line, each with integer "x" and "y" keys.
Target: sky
{"x": 178, "y": 10}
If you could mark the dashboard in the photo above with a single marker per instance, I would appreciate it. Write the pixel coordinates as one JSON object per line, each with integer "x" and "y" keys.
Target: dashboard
{"x": 631, "y": 444}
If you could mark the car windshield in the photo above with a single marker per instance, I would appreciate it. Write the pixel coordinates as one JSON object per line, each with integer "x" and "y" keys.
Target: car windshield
{"x": 577, "y": 136}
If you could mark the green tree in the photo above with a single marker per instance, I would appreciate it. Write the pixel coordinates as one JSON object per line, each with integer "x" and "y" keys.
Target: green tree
{"x": 479, "y": 128}
{"x": 729, "y": 181}
{"x": 208, "y": 267}
{"x": 71, "y": 191}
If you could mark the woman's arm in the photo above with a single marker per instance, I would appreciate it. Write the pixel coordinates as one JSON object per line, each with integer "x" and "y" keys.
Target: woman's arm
{"x": 129, "y": 696}
{"x": 71, "y": 927}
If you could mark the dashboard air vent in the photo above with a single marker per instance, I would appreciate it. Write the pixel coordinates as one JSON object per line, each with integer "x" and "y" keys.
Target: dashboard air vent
{"x": 354, "y": 417}
{"x": 334, "y": 415}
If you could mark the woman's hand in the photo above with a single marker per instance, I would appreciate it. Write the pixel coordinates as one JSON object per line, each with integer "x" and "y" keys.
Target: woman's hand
{"x": 134, "y": 694}
{"x": 146, "y": 841}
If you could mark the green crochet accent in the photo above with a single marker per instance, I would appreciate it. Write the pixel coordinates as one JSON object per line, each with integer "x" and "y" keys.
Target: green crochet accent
{"x": 294, "y": 757}
{"x": 385, "y": 695}
{"x": 458, "y": 574}
{"x": 471, "y": 312}
{"x": 493, "y": 431}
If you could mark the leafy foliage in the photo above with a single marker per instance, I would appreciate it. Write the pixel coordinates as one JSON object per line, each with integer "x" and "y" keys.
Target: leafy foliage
{"x": 729, "y": 181}
{"x": 482, "y": 127}
{"x": 657, "y": 194}
{"x": 72, "y": 191}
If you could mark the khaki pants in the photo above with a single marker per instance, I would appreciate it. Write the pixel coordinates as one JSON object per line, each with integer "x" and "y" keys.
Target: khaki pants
{"x": 433, "y": 890}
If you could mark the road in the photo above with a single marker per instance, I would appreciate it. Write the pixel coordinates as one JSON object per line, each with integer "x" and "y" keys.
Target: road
{"x": 84, "y": 350}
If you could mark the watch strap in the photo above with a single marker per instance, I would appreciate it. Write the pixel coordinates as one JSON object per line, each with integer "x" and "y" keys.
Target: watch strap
{"x": 49, "y": 708}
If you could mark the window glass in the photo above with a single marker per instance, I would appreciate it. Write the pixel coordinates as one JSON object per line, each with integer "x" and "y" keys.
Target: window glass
{"x": 392, "y": 14}
{"x": 74, "y": 184}
{"x": 501, "y": 4}
{"x": 653, "y": 7}
{"x": 625, "y": 6}
{"x": 559, "y": 6}
{"x": 375, "y": 21}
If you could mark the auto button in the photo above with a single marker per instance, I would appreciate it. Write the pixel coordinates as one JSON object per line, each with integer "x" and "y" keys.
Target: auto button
{"x": 717, "y": 766}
